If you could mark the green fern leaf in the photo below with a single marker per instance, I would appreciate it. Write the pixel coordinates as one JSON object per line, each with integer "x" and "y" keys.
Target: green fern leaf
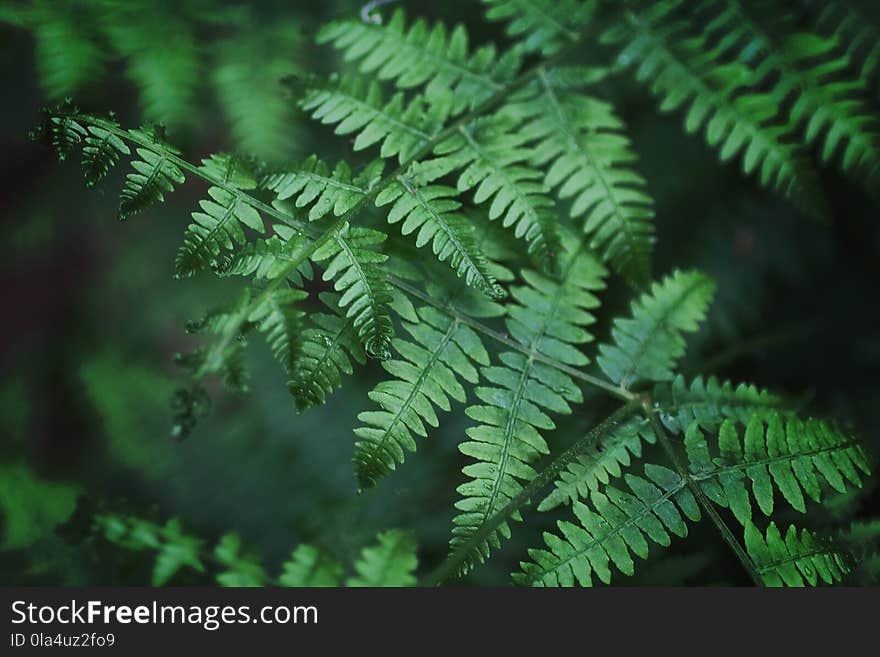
{"x": 162, "y": 61}
{"x": 799, "y": 559}
{"x": 543, "y": 27}
{"x": 64, "y": 132}
{"x": 355, "y": 268}
{"x": 581, "y": 144}
{"x": 326, "y": 350}
{"x": 267, "y": 258}
{"x": 432, "y": 210}
{"x": 390, "y": 563}
{"x": 312, "y": 183}
{"x": 277, "y": 318}
{"x": 613, "y": 526}
{"x": 794, "y": 456}
{"x": 441, "y": 350}
{"x": 402, "y": 127}
{"x": 67, "y": 54}
{"x": 309, "y": 566}
{"x": 685, "y": 70}
{"x": 494, "y": 159}
{"x": 549, "y": 318}
{"x": 600, "y": 463}
{"x": 154, "y": 175}
{"x": 423, "y": 55}
{"x": 647, "y": 345}
{"x": 101, "y": 152}
{"x": 218, "y": 226}
{"x": 240, "y": 568}
{"x": 709, "y": 402}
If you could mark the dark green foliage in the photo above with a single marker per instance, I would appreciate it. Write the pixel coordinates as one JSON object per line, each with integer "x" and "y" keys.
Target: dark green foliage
{"x": 524, "y": 205}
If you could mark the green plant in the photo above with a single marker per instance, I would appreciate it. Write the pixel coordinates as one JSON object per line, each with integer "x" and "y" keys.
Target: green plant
{"x": 523, "y": 185}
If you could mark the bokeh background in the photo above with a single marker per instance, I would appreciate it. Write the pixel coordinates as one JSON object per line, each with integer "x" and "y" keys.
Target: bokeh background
{"x": 92, "y": 316}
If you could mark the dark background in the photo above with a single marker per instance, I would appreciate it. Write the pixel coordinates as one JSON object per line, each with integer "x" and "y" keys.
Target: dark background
{"x": 92, "y": 318}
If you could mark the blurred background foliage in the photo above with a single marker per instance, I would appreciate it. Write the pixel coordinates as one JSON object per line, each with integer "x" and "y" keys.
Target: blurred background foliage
{"x": 93, "y": 316}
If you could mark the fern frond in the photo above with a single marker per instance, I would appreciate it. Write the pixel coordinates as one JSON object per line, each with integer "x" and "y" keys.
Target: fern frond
{"x": 67, "y": 55}
{"x": 600, "y": 463}
{"x": 544, "y": 27}
{"x": 278, "y": 319}
{"x": 401, "y": 127}
{"x": 174, "y": 548}
{"x": 813, "y": 69}
{"x": 549, "y": 318}
{"x": 219, "y": 225}
{"x": 355, "y": 268}
{"x": 391, "y": 562}
{"x": 647, "y": 345}
{"x": 154, "y": 175}
{"x": 423, "y": 55}
{"x": 162, "y": 61}
{"x": 64, "y": 133}
{"x": 685, "y": 70}
{"x": 268, "y": 258}
{"x": 799, "y": 559}
{"x": 309, "y": 566}
{"x": 244, "y": 75}
{"x": 432, "y": 210}
{"x": 709, "y": 402}
{"x": 313, "y": 183}
{"x": 440, "y": 351}
{"x": 797, "y": 457}
{"x": 101, "y": 152}
{"x": 851, "y": 29}
{"x": 581, "y": 144}
{"x": 241, "y": 568}
{"x": 326, "y": 350}
{"x": 495, "y": 162}
{"x": 612, "y": 527}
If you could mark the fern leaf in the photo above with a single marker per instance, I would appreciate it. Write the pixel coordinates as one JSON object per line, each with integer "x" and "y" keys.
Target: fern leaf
{"x": 218, "y": 226}
{"x": 599, "y": 464}
{"x": 245, "y": 78}
{"x": 432, "y": 210}
{"x": 799, "y": 559}
{"x": 401, "y": 127}
{"x": 796, "y": 457}
{"x": 812, "y": 68}
{"x": 312, "y": 183}
{"x": 647, "y": 345}
{"x": 550, "y": 318}
{"x": 709, "y": 402}
{"x": 101, "y": 152}
{"x": 495, "y": 161}
{"x": 174, "y": 549}
{"x": 543, "y": 27}
{"x": 67, "y": 54}
{"x": 423, "y": 55}
{"x": 720, "y": 96}
{"x": 355, "y": 268}
{"x": 309, "y": 566}
{"x": 614, "y": 525}
{"x": 162, "y": 60}
{"x": 267, "y": 258}
{"x": 64, "y": 133}
{"x": 391, "y": 562}
{"x": 326, "y": 350}
{"x": 240, "y": 568}
{"x": 277, "y": 318}
{"x": 154, "y": 175}
{"x": 581, "y": 144}
{"x": 441, "y": 351}
{"x": 850, "y": 28}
